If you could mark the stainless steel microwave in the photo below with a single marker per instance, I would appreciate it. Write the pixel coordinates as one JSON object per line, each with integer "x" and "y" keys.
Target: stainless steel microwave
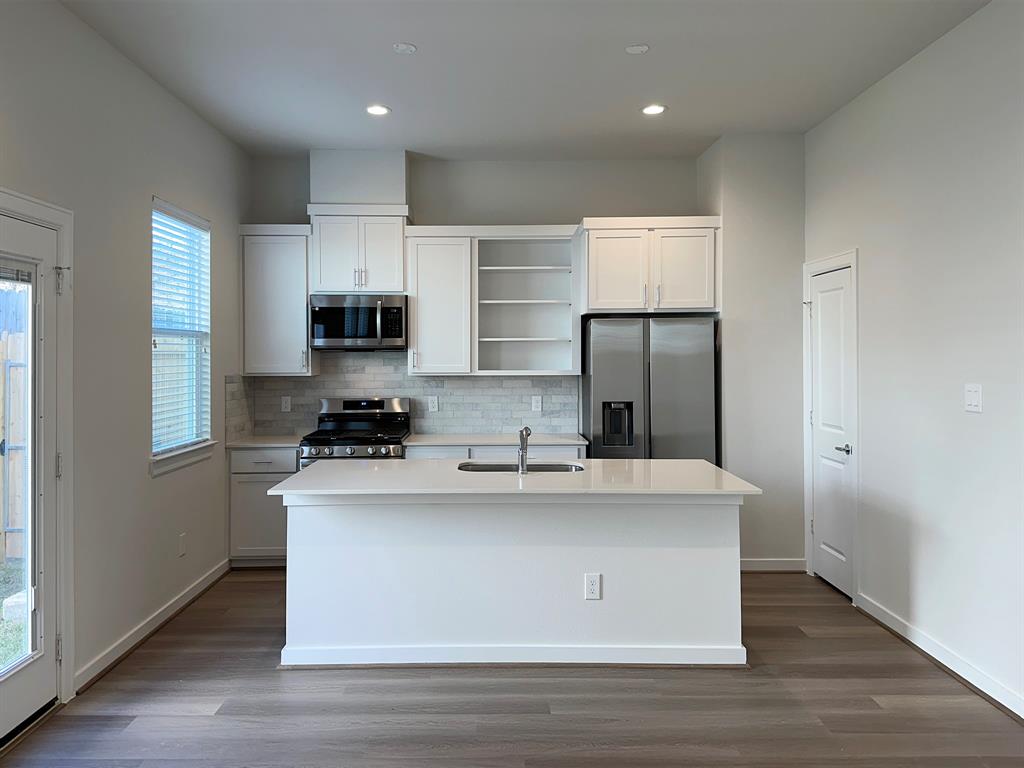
{"x": 357, "y": 321}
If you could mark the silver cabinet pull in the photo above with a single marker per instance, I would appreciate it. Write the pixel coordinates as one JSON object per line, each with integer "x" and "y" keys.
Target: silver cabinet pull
{"x": 414, "y": 362}
{"x": 355, "y": 277}
{"x": 847, "y": 449}
{"x": 303, "y": 359}
{"x": 645, "y": 294}
{"x": 362, "y": 277}
{"x": 657, "y": 296}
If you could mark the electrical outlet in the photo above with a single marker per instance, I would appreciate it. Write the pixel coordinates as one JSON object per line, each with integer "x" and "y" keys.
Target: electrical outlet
{"x": 972, "y": 398}
{"x": 592, "y": 586}
{"x": 181, "y": 545}
{"x": 286, "y": 403}
{"x": 538, "y": 402}
{"x": 432, "y": 403}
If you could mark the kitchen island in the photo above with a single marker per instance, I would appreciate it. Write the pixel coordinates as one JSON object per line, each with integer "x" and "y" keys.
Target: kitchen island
{"x": 418, "y": 562}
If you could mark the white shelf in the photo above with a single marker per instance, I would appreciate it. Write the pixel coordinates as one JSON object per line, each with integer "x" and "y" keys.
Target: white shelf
{"x": 525, "y": 301}
{"x": 527, "y": 268}
{"x": 526, "y": 338}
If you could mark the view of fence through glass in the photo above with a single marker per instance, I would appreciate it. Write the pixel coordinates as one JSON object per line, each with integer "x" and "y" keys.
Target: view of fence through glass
{"x": 16, "y": 550}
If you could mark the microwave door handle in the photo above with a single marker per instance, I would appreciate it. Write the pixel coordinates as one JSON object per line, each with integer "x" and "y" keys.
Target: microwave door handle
{"x": 380, "y": 322}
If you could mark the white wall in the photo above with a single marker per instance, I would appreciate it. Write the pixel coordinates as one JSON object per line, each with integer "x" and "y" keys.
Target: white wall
{"x": 756, "y": 184}
{"x": 924, "y": 174}
{"x": 548, "y": 191}
{"x": 358, "y": 176}
{"x": 83, "y": 128}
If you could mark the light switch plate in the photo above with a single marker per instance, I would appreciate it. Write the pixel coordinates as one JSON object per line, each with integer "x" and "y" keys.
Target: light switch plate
{"x": 972, "y": 398}
{"x": 538, "y": 402}
{"x": 286, "y": 403}
{"x": 432, "y": 403}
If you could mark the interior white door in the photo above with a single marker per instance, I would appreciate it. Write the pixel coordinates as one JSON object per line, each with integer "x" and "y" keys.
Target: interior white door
{"x": 617, "y": 268}
{"x": 275, "y": 333}
{"x": 381, "y": 243}
{"x": 336, "y": 262}
{"x": 28, "y": 446}
{"x": 834, "y": 427}
{"x": 683, "y": 268}
{"x": 440, "y": 291}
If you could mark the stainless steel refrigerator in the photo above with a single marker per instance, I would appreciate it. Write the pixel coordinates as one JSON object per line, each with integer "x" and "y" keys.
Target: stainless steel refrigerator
{"x": 648, "y": 388}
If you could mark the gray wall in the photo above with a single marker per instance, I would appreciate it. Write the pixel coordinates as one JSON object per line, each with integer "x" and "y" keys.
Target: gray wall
{"x": 924, "y": 175}
{"x": 756, "y": 184}
{"x": 548, "y": 192}
{"x": 466, "y": 404}
{"x": 86, "y": 129}
{"x": 499, "y": 192}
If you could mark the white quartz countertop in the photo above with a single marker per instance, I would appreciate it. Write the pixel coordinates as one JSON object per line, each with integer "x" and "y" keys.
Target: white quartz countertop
{"x": 511, "y": 438}
{"x": 265, "y": 441}
{"x": 442, "y": 477}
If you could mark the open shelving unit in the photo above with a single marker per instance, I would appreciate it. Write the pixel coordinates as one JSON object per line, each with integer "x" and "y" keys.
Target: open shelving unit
{"x": 524, "y": 306}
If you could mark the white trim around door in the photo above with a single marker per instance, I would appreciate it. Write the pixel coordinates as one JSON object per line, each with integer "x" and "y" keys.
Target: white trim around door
{"x": 60, "y": 220}
{"x": 811, "y": 269}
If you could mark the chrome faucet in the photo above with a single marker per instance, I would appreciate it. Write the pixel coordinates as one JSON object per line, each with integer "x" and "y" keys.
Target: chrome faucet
{"x": 524, "y": 437}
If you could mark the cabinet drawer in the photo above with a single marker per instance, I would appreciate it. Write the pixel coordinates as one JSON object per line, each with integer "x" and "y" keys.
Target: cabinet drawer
{"x": 248, "y": 460}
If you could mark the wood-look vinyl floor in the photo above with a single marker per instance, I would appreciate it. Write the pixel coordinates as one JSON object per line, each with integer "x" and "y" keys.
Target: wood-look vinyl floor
{"x": 826, "y": 687}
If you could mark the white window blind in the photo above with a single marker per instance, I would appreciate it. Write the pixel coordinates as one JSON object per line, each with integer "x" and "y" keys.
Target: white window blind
{"x": 181, "y": 329}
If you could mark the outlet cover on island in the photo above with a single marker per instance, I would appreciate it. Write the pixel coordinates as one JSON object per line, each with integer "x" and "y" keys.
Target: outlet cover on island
{"x": 286, "y": 403}
{"x": 432, "y": 403}
{"x": 538, "y": 402}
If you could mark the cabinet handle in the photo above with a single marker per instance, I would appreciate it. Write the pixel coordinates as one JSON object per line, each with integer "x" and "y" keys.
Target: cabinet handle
{"x": 355, "y": 277}
{"x": 645, "y": 294}
{"x": 303, "y": 359}
{"x": 415, "y": 365}
{"x": 362, "y": 277}
{"x": 657, "y": 296}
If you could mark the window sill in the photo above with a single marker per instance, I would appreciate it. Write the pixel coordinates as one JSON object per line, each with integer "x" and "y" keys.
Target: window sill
{"x": 183, "y": 457}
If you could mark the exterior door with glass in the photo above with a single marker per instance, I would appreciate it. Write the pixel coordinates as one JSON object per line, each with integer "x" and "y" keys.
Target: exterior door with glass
{"x": 28, "y": 451}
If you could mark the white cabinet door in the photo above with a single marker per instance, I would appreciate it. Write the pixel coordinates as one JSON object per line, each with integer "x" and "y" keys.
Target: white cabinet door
{"x": 617, "y": 268}
{"x": 258, "y": 521}
{"x": 683, "y": 268}
{"x": 382, "y": 248}
{"x": 335, "y": 264}
{"x": 440, "y": 289}
{"x": 274, "y": 305}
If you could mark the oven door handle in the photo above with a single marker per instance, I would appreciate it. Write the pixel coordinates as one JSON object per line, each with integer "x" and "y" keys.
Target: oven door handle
{"x": 380, "y": 322}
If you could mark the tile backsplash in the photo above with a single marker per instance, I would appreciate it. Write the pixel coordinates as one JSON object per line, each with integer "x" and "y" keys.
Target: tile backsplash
{"x": 466, "y": 404}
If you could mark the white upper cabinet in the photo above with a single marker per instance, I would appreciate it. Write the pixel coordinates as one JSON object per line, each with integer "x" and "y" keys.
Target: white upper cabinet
{"x": 618, "y": 263}
{"x": 683, "y": 268}
{"x": 440, "y": 299}
{"x": 650, "y": 264}
{"x": 357, "y": 254}
{"x": 381, "y": 245}
{"x": 275, "y": 337}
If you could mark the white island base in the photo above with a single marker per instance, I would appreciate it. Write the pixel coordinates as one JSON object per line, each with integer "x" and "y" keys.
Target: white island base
{"x": 415, "y": 562}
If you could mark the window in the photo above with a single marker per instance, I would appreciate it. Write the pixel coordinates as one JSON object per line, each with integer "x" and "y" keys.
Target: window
{"x": 181, "y": 329}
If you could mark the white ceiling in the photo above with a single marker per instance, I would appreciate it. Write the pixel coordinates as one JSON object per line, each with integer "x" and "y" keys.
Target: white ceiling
{"x": 516, "y": 79}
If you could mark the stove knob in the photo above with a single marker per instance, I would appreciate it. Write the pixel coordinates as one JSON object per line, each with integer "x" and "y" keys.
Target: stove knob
{"x": 328, "y": 451}
{"x": 384, "y": 450}
{"x": 350, "y": 451}
{"x": 314, "y": 451}
{"x": 370, "y": 451}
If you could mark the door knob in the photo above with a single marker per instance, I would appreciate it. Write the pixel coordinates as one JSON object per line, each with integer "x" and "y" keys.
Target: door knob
{"x": 847, "y": 449}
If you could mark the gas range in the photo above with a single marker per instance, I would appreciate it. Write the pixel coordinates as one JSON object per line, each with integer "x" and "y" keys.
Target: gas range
{"x": 371, "y": 428}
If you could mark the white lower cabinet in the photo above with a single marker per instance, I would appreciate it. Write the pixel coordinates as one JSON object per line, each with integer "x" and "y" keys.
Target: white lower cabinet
{"x": 259, "y": 522}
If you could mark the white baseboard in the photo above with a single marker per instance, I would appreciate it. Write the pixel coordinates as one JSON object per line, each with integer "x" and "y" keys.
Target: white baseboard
{"x": 292, "y": 656}
{"x": 942, "y": 654}
{"x": 781, "y": 564}
{"x": 140, "y": 631}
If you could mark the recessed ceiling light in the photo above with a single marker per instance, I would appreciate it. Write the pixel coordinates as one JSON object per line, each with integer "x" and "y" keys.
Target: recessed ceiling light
{"x": 406, "y": 49}
{"x": 654, "y": 109}
{"x": 637, "y": 49}
{"x": 378, "y": 109}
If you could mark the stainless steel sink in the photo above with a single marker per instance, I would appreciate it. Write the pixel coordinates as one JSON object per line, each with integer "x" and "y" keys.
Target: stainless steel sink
{"x": 479, "y": 466}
